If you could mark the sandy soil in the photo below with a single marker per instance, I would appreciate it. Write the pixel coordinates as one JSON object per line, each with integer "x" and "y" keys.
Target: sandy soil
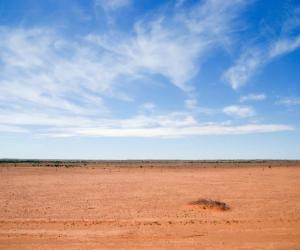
{"x": 151, "y": 208}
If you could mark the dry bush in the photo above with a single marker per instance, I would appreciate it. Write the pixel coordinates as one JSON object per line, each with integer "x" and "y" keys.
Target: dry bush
{"x": 210, "y": 204}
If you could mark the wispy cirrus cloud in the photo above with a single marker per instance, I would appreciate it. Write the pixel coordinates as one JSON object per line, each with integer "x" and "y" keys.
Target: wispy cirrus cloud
{"x": 175, "y": 132}
{"x": 148, "y": 107}
{"x": 191, "y": 103}
{"x": 55, "y": 85}
{"x": 253, "y": 97}
{"x": 171, "y": 125}
{"x": 255, "y": 57}
{"x": 239, "y": 111}
{"x": 107, "y": 11}
{"x": 159, "y": 44}
{"x": 12, "y": 129}
{"x": 289, "y": 101}
{"x": 112, "y": 5}
{"x": 42, "y": 71}
{"x": 284, "y": 46}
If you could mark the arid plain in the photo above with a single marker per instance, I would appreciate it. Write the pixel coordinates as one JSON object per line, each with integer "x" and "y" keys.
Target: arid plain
{"x": 150, "y": 205}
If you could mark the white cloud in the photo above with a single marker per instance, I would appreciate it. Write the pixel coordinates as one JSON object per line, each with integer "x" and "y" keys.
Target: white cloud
{"x": 289, "y": 101}
{"x": 12, "y": 129}
{"x": 239, "y": 74}
{"x": 284, "y": 46}
{"x": 239, "y": 111}
{"x": 42, "y": 71}
{"x": 218, "y": 18}
{"x": 46, "y": 79}
{"x": 253, "y": 58}
{"x": 252, "y": 97}
{"x": 57, "y": 86}
{"x": 159, "y": 45}
{"x": 174, "y": 132}
{"x": 179, "y": 3}
{"x": 148, "y": 106}
{"x": 111, "y": 5}
{"x": 174, "y": 124}
{"x": 191, "y": 103}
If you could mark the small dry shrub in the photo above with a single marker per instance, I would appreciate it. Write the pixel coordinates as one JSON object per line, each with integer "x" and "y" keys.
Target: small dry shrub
{"x": 210, "y": 204}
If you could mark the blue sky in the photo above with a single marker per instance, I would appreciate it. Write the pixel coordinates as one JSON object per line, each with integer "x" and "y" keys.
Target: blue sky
{"x": 132, "y": 79}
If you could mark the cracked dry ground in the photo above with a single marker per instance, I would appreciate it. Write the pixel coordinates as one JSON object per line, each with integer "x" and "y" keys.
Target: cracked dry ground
{"x": 135, "y": 208}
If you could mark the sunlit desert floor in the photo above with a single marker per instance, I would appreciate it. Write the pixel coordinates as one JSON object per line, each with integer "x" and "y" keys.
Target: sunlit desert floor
{"x": 137, "y": 207}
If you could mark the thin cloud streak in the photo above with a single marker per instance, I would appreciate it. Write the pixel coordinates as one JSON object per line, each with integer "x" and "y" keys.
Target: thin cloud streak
{"x": 253, "y": 97}
{"x": 289, "y": 101}
{"x": 173, "y": 132}
{"x": 159, "y": 45}
{"x": 253, "y": 58}
{"x": 239, "y": 111}
{"x": 164, "y": 126}
{"x": 56, "y": 86}
{"x": 112, "y": 5}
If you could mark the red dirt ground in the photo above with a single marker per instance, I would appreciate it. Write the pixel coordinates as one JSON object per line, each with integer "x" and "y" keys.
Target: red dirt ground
{"x": 149, "y": 208}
